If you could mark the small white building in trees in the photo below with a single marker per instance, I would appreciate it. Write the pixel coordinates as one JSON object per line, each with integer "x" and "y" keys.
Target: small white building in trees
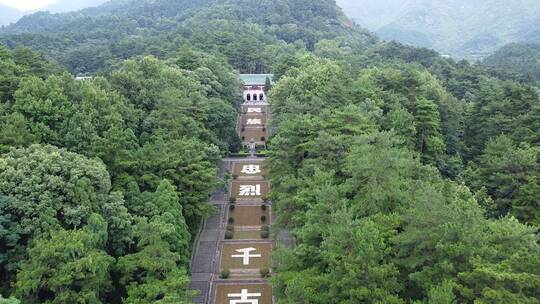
{"x": 254, "y": 86}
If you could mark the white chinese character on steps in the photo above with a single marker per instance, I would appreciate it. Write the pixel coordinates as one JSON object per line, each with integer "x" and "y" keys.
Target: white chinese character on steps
{"x": 250, "y": 190}
{"x": 246, "y": 255}
{"x": 254, "y": 121}
{"x": 244, "y": 297}
{"x": 251, "y": 169}
{"x": 254, "y": 110}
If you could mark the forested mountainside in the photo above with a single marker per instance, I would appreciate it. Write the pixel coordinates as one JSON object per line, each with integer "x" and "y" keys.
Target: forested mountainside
{"x": 247, "y": 32}
{"x": 518, "y": 58}
{"x": 469, "y": 29}
{"x": 403, "y": 176}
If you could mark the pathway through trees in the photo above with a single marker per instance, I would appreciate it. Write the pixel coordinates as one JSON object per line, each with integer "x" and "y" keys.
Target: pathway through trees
{"x": 232, "y": 258}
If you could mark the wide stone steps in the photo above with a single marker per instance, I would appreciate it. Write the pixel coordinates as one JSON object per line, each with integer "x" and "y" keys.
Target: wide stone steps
{"x": 239, "y": 260}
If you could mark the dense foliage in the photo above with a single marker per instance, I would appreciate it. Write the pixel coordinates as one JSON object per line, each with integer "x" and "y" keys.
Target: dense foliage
{"x": 103, "y": 181}
{"x": 249, "y": 33}
{"x": 519, "y": 58}
{"x": 396, "y": 191}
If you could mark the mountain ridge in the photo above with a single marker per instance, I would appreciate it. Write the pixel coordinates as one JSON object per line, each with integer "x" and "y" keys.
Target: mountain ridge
{"x": 83, "y": 40}
{"x": 62, "y": 6}
{"x": 9, "y": 14}
{"x": 12, "y": 15}
{"x": 463, "y": 29}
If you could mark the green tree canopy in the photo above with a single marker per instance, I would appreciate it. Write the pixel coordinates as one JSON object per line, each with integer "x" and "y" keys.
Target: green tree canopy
{"x": 46, "y": 189}
{"x": 69, "y": 266}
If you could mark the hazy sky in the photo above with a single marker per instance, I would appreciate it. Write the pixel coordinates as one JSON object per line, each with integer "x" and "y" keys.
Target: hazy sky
{"x": 26, "y": 5}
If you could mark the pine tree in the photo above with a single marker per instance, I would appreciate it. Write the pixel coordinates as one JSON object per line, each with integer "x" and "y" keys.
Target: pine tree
{"x": 429, "y": 141}
{"x": 267, "y": 85}
{"x": 526, "y": 206}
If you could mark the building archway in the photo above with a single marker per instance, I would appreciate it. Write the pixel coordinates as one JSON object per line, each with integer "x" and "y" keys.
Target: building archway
{"x": 261, "y": 97}
{"x": 254, "y": 97}
{"x": 248, "y": 97}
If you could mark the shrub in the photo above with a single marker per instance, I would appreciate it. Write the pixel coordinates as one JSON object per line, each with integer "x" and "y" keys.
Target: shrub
{"x": 231, "y": 221}
{"x": 225, "y": 274}
{"x": 265, "y": 272}
{"x": 264, "y": 207}
{"x": 232, "y": 200}
{"x": 265, "y": 234}
{"x": 231, "y": 207}
{"x": 263, "y": 138}
{"x": 263, "y": 218}
{"x": 265, "y": 228}
{"x": 229, "y": 235}
{"x": 230, "y": 228}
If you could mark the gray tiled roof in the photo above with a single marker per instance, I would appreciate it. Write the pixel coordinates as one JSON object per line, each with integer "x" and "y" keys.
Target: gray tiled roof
{"x": 255, "y": 79}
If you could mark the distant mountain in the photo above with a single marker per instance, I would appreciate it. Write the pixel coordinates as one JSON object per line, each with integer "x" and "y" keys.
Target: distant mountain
{"x": 9, "y": 15}
{"x": 71, "y": 5}
{"x": 463, "y": 28}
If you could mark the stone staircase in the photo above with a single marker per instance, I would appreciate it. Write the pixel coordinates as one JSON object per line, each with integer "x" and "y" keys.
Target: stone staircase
{"x": 224, "y": 270}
